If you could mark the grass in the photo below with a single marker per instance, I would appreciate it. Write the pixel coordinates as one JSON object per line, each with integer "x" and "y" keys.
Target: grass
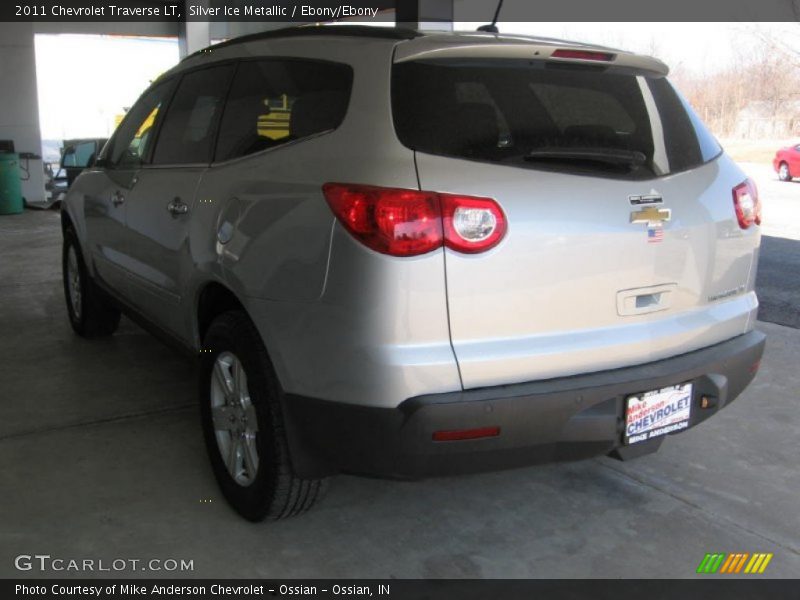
{"x": 754, "y": 151}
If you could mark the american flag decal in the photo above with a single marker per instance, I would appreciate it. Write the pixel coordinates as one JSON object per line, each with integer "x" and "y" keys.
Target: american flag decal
{"x": 655, "y": 235}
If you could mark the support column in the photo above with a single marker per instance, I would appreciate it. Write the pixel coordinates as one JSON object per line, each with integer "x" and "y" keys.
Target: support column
{"x": 425, "y": 14}
{"x": 194, "y": 35}
{"x": 19, "y": 105}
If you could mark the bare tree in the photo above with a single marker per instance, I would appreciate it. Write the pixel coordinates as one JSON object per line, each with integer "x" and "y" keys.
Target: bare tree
{"x": 759, "y": 95}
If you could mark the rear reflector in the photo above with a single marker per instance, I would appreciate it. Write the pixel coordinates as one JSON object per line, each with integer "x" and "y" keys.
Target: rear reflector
{"x": 747, "y": 204}
{"x": 583, "y": 55}
{"x": 465, "y": 434}
{"x": 403, "y": 222}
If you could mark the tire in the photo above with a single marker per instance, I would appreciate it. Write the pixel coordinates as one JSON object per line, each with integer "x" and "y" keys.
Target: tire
{"x": 783, "y": 172}
{"x": 260, "y": 482}
{"x": 90, "y": 311}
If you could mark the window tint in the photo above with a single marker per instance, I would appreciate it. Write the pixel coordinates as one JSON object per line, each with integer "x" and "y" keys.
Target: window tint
{"x": 687, "y": 140}
{"x": 187, "y": 135}
{"x": 573, "y": 106}
{"x": 272, "y": 102}
{"x": 545, "y": 116}
{"x": 132, "y": 138}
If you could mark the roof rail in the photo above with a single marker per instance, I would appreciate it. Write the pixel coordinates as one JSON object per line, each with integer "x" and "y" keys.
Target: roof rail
{"x": 366, "y": 31}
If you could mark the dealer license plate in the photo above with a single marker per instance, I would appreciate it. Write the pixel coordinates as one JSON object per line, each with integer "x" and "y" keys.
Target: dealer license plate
{"x": 658, "y": 412}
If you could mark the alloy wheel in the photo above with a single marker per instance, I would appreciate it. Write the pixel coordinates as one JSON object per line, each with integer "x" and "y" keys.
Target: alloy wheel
{"x": 235, "y": 420}
{"x": 74, "y": 283}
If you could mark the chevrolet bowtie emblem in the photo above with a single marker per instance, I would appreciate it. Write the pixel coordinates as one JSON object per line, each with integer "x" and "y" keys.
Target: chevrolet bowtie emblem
{"x": 651, "y": 215}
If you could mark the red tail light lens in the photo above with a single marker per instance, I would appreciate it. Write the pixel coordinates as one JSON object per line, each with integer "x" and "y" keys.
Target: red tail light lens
{"x": 582, "y": 55}
{"x": 402, "y": 222}
{"x": 391, "y": 221}
{"x": 747, "y": 204}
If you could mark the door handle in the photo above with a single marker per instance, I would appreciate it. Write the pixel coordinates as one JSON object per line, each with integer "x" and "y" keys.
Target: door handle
{"x": 117, "y": 198}
{"x": 177, "y": 207}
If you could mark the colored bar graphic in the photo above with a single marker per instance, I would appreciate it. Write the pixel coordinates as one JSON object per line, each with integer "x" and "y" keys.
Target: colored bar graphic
{"x": 711, "y": 563}
{"x": 726, "y": 567}
{"x": 703, "y": 564}
{"x": 734, "y": 563}
{"x": 754, "y": 563}
{"x": 740, "y": 564}
{"x": 764, "y": 564}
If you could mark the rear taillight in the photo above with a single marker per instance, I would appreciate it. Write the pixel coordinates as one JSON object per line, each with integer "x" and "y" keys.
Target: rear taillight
{"x": 388, "y": 220}
{"x": 471, "y": 224}
{"x": 582, "y": 55}
{"x": 402, "y": 222}
{"x": 747, "y": 204}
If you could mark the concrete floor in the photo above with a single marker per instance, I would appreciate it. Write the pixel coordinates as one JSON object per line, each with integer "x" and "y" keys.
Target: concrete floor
{"x": 101, "y": 457}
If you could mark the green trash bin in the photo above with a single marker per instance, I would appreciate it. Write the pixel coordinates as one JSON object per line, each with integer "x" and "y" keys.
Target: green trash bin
{"x": 10, "y": 186}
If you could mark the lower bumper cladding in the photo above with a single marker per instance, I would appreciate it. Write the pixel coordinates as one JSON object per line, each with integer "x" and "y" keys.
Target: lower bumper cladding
{"x": 509, "y": 426}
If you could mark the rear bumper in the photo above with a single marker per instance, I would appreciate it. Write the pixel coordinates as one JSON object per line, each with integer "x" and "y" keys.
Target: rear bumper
{"x": 542, "y": 421}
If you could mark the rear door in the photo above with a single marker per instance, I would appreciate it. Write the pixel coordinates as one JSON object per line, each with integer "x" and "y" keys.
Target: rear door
{"x": 161, "y": 204}
{"x": 622, "y": 244}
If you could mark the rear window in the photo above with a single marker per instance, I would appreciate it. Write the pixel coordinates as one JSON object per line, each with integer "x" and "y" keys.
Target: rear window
{"x": 558, "y": 117}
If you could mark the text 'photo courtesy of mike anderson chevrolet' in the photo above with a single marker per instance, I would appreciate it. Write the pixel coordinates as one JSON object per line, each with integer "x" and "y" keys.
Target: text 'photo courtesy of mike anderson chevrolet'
{"x": 409, "y": 254}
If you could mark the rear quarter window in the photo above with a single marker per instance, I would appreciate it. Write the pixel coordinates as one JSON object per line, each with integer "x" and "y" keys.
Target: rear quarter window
{"x": 275, "y": 101}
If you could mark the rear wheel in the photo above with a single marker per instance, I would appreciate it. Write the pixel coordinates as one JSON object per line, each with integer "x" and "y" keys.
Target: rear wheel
{"x": 90, "y": 311}
{"x": 240, "y": 403}
{"x": 783, "y": 172}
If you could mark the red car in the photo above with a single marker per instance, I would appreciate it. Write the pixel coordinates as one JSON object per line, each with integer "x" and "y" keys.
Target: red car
{"x": 787, "y": 162}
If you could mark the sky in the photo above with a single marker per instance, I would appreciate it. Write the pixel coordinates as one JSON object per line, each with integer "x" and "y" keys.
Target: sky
{"x": 84, "y": 81}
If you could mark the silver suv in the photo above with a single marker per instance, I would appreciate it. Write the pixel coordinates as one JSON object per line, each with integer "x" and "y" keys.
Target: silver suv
{"x": 406, "y": 254}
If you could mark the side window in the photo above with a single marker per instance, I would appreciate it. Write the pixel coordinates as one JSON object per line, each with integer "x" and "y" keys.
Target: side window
{"x": 187, "y": 135}
{"x": 275, "y": 101}
{"x": 83, "y": 153}
{"x": 132, "y": 139}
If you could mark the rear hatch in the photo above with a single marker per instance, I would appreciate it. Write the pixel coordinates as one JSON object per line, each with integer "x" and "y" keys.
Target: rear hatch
{"x": 622, "y": 243}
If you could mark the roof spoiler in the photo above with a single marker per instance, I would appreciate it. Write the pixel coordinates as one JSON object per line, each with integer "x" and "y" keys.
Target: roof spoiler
{"x": 425, "y": 49}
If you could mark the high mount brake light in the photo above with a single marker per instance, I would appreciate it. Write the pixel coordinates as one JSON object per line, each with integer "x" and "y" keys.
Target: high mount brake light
{"x": 583, "y": 55}
{"x": 403, "y": 222}
{"x": 747, "y": 204}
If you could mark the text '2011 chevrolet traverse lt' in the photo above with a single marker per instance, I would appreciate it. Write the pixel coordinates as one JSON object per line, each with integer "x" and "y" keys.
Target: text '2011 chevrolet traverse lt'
{"x": 405, "y": 254}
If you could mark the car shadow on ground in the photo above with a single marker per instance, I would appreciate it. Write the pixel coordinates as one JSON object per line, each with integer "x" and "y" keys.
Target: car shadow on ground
{"x": 778, "y": 281}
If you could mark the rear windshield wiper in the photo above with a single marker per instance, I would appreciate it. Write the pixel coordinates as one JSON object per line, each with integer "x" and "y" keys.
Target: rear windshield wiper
{"x": 611, "y": 156}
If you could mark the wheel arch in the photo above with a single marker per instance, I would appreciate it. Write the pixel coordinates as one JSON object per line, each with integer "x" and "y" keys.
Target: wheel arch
{"x": 66, "y": 221}
{"x": 213, "y": 299}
